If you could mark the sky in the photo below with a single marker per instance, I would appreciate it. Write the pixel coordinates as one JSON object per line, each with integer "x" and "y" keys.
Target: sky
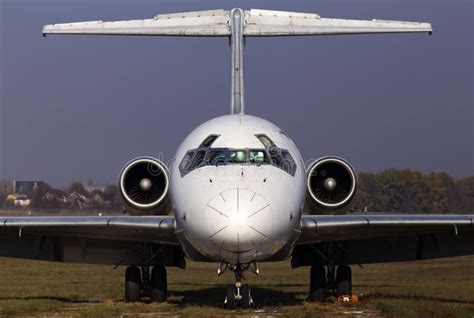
{"x": 81, "y": 107}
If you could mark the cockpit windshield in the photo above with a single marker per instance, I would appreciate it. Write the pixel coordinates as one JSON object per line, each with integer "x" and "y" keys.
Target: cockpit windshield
{"x": 237, "y": 156}
{"x": 216, "y": 156}
{"x": 207, "y": 156}
{"x": 221, "y": 156}
{"x": 258, "y": 156}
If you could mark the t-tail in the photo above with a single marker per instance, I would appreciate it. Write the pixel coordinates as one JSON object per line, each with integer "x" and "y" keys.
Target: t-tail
{"x": 237, "y": 24}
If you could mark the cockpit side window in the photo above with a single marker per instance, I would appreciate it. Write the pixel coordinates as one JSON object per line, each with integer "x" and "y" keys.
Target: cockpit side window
{"x": 185, "y": 164}
{"x": 267, "y": 142}
{"x": 275, "y": 155}
{"x": 198, "y": 159}
{"x": 288, "y": 164}
{"x": 280, "y": 158}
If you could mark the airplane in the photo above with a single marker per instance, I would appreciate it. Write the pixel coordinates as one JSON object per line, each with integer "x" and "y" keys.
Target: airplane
{"x": 235, "y": 190}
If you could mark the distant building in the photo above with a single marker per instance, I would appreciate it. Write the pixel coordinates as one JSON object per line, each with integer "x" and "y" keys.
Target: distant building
{"x": 26, "y": 187}
{"x": 18, "y": 200}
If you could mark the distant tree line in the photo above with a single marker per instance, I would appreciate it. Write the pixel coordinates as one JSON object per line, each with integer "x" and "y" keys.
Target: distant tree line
{"x": 411, "y": 191}
{"x": 404, "y": 191}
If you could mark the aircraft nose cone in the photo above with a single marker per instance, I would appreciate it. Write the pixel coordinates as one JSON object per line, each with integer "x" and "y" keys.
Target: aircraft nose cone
{"x": 239, "y": 219}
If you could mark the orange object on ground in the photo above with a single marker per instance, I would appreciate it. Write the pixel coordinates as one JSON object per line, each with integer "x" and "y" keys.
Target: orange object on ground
{"x": 348, "y": 299}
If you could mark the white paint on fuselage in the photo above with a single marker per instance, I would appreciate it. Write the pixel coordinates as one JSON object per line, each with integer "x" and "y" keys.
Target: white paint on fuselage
{"x": 237, "y": 213}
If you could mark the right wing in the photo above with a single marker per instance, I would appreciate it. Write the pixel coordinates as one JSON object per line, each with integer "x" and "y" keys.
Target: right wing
{"x": 116, "y": 240}
{"x": 200, "y": 23}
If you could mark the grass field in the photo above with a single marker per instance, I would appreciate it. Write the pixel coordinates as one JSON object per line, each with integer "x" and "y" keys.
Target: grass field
{"x": 439, "y": 288}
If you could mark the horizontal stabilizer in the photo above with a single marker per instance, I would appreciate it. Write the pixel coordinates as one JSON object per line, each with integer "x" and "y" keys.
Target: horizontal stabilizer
{"x": 280, "y": 23}
{"x": 256, "y": 23}
{"x": 237, "y": 24}
{"x": 201, "y": 23}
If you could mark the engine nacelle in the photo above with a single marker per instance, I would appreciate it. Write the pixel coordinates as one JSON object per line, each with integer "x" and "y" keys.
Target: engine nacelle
{"x": 144, "y": 184}
{"x": 332, "y": 182}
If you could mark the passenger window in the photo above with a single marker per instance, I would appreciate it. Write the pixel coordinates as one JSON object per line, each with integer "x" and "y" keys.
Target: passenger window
{"x": 216, "y": 157}
{"x": 258, "y": 157}
{"x": 238, "y": 156}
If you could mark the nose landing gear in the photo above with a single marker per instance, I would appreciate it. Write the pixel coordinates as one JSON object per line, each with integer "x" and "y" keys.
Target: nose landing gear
{"x": 238, "y": 294}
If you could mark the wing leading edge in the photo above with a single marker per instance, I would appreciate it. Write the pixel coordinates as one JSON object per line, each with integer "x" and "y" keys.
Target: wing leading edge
{"x": 357, "y": 239}
{"x": 153, "y": 229}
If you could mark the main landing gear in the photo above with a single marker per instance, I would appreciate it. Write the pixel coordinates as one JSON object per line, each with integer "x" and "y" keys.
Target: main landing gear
{"x": 337, "y": 283}
{"x": 140, "y": 284}
{"x": 239, "y": 294}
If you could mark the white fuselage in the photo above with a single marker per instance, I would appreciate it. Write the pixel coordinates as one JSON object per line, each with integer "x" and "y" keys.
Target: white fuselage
{"x": 237, "y": 212}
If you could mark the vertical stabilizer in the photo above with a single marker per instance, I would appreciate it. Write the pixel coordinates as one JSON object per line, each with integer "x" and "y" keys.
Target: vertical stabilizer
{"x": 237, "y": 20}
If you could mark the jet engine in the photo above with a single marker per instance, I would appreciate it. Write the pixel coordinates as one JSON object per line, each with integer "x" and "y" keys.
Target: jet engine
{"x": 144, "y": 184}
{"x": 332, "y": 182}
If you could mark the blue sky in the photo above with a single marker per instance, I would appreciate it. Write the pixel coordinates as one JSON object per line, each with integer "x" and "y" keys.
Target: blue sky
{"x": 81, "y": 107}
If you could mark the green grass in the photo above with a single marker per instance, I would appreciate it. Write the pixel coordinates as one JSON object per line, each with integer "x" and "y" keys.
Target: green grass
{"x": 439, "y": 288}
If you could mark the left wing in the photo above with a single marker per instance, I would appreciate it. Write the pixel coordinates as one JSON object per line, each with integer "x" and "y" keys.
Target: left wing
{"x": 118, "y": 240}
{"x": 281, "y": 23}
{"x": 357, "y": 239}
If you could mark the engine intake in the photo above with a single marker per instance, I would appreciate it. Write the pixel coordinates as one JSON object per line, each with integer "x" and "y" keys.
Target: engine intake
{"x": 332, "y": 182}
{"x": 144, "y": 184}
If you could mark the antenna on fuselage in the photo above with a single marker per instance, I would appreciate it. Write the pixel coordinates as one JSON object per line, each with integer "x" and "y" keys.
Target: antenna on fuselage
{"x": 237, "y": 24}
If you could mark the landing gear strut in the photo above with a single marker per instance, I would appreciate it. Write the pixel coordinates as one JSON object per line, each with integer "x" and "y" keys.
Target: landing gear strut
{"x": 239, "y": 294}
{"x": 140, "y": 284}
{"x": 337, "y": 283}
